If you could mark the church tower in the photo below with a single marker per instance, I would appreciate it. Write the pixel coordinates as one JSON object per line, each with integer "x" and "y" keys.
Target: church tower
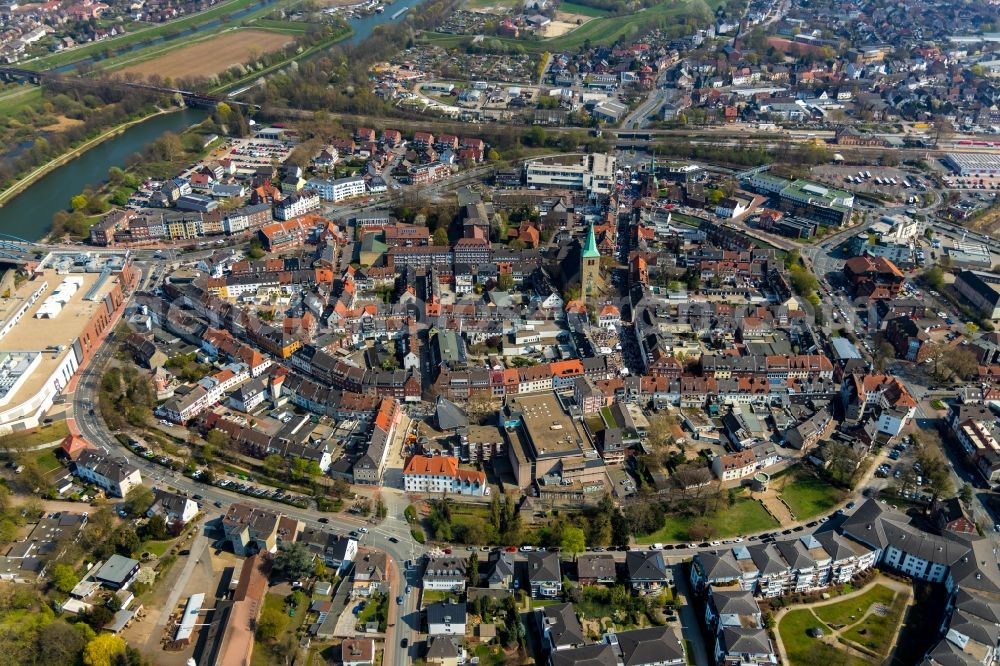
{"x": 590, "y": 266}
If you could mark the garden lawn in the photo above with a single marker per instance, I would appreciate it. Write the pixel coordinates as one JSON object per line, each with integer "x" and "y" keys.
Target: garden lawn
{"x": 156, "y": 548}
{"x": 433, "y": 596}
{"x": 47, "y": 460}
{"x": 876, "y": 632}
{"x": 746, "y": 516}
{"x": 808, "y": 496}
{"x": 262, "y": 654}
{"x": 840, "y": 614}
{"x": 803, "y": 650}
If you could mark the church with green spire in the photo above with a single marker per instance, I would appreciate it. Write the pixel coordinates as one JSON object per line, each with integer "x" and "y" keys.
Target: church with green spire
{"x": 590, "y": 266}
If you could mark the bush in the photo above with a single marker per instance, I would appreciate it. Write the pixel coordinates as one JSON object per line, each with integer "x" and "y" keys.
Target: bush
{"x": 418, "y": 535}
{"x": 410, "y": 513}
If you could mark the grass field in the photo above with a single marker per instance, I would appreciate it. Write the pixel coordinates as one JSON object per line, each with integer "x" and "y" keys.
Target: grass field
{"x": 876, "y": 631}
{"x": 803, "y": 650}
{"x": 860, "y": 627}
{"x": 746, "y": 516}
{"x": 582, "y": 10}
{"x": 841, "y": 614}
{"x": 293, "y": 27}
{"x": 604, "y": 30}
{"x": 139, "y": 35}
{"x": 491, "y": 4}
{"x": 213, "y": 55}
{"x": 14, "y": 101}
{"x": 808, "y": 496}
{"x": 50, "y": 433}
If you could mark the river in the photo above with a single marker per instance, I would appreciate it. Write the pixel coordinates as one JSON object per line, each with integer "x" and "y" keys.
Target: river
{"x": 29, "y": 214}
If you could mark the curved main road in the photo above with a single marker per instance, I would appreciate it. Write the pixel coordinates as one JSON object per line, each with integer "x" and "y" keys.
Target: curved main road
{"x": 403, "y": 619}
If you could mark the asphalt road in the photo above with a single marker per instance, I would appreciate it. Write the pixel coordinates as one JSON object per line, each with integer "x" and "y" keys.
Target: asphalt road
{"x": 93, "y": 429}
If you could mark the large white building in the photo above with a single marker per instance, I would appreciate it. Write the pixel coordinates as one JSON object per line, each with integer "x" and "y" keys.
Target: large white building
{"x": 50, "y": 324}
{"x": 339, "y": 189}
{"x": 974, "y": 164}
{"x": 440, "y": 474}
{"x": 594, "y": 174}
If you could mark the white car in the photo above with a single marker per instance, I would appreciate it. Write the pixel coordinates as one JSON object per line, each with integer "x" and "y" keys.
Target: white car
{"x": 363, "y": 530}
{"x": 657, "y": 546}
{"x": 716, "y": 543}
{"x": 526, "y": 549}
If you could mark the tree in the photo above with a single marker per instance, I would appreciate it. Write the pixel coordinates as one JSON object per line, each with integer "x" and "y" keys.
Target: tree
{"x": 103, "y": 650}
{"x": 78, "y": 202}
{"x": 934, "y": 278}
{"x": 440, "y": 236}
{"x": 472, "y": 570}
{"x": 64, "y": 578}
{"x": 156, "y": 528}
{"x": 274, "y": 464}
{"x": 965, "y": 494}
{"x": 138, "y": 500}
{"x": 574, "y": 541}
{"x": 505, "y": 282}
{"x": 885, "y": 352}
{"x": 126, "y": 541}
{"x": 963, "y": 362}
{"x": 271, "y": 624}
{"x": 60, "y": 643}
{"x": 294, "y": 561}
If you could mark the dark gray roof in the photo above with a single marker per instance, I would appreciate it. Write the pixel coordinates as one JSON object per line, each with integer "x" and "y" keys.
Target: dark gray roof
{"x": 501, "y": 566}
{"x": 442, "y": 611}
{"x": 739, "y": 640}
{"x": 563, "y": 625}
{"x": 734, "y": 601}
{"x": 649, "y": 646}
{"x": 646, "y": 565}
{"x": 449, "y": 416}
{"x": 877, "y": 525}
{"x": 718, "y": 565}
{"x": 441, "y": 647}
{"x": 947, "y": 653}
{"x": 595, "y": 565}
{"x": 543, "y": 567}
{"x": 590, "y": 655}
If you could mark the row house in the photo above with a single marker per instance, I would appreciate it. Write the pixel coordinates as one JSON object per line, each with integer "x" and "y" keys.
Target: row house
{"x": 811, "y": 562}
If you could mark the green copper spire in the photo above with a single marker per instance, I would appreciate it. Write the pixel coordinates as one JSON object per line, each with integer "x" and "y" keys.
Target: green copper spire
{"x": 590, "y": 247}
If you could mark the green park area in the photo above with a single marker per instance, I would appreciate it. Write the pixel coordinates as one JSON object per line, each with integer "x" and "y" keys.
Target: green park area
{"x": 603, "y": 30}
{"x": 743, "y": 516}
{"x": 856, "y": 630}
{"x": 807, "y": 495}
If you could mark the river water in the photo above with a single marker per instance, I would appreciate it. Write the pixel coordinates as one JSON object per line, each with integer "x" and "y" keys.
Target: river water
{"x": 29, "y": 214}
